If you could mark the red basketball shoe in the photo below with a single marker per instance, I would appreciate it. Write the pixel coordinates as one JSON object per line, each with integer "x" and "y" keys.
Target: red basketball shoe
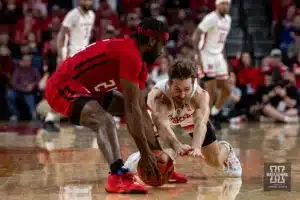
{"x": 124, "y": 183}
{"x": 178, "y": 178}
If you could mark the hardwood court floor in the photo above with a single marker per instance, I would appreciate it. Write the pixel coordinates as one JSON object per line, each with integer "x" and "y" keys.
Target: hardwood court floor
{"x": 35, "y": 165}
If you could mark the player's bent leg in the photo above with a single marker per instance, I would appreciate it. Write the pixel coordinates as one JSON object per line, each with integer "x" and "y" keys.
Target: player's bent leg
{"x": 70, "y": 99}
{"x": 210, "y": 85}
{"x": 220, "y": 155}
{"x": 225, "y": 91}
{"x": 90, "y": 114}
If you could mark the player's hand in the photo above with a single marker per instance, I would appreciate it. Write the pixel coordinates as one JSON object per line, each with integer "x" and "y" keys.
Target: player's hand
{"x": 149, "y": 162}
{"x": 196, "y": 152}
{"x": 183, "y": 149}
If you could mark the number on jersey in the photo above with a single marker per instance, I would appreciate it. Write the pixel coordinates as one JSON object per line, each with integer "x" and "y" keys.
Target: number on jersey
{"x": 109, "y": 85}
{"x": 222, "y": 38}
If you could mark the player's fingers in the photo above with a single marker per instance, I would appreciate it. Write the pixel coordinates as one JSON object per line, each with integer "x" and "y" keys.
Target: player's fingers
{"x": 202, "y": 156}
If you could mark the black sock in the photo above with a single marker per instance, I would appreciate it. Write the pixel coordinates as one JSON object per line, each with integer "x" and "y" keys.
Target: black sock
{"x": 116, "y": 167}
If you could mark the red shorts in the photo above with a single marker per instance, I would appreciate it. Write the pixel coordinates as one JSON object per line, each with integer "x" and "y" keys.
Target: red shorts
{"x": 62, "y": 95}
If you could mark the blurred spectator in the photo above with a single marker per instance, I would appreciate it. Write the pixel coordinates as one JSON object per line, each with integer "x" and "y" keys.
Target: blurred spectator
{"x": 228, "y": 112}
{"x": 51, "y": 29}
{"x": 273, "y": 61}
{"x": 286, "y": 38}
{"x": 50, "y": 56}
{"x": 295, "y": 45}
{"x": 127, "y": 6}
{"x": 161, "y": 72}
{"x": 186, "y": 51}
{"x": 202, "y": 5}
{"x": 106, "y": 12}
{"x": 25, "y": 81}
{"x": 248, "y": 76}
{"x": 278, "y": 98}
{"x": 155, "y": 12}
{"x": 38, "y": 7}
{"x": 27, "y": 25}
{"x": 296, "y": 69}
{"x": 6, "y": 67}
{"x": 248, "y": 79}
{"x": 132, "y": 20}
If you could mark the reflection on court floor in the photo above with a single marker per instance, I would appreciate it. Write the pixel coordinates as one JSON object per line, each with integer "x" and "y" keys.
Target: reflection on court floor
{"x": 38, "y": 165}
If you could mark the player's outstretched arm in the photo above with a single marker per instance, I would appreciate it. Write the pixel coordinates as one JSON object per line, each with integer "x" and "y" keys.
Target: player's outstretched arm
{"x": 61, "y": 36}
{"x": 201, "y": 117}
{"x": 135, "y": 124}
{"x": 134, "y": 117}
{"x": 161, "y": 109}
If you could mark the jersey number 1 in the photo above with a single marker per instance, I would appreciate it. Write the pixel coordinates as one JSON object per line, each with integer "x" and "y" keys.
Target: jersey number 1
{"x": 222, "y": 38}
{"x": 109, "y": 85}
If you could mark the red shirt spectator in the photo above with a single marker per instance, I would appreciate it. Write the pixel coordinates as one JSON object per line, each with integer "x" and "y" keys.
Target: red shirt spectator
{"x": 296, "y": 68}
{"x": 273, "y": 62}
{"x": 106, "y": 12}
{"x": 279, "y": 9}
{"x": 247, "y": 74}
{"x": 198, "y": 4}
{"x": 130, "y": 5}
{"x": 25, "y": 26}
{"x": 132, "y": 21}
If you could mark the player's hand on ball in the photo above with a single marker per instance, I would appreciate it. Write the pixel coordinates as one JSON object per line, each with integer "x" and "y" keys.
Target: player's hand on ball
{"x": 196, "y": 152}
{"x": 150, "y": 162}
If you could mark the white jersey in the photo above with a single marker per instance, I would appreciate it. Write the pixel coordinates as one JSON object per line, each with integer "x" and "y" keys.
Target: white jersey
{"x": 216, "y": 30}
{"x": 180, "y": 116}
{"x": 80, "y": 25}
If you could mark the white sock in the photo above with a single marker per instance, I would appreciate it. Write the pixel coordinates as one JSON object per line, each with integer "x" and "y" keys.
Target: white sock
{"x": 214, "y": 110}
{"x": 50, "y": 117}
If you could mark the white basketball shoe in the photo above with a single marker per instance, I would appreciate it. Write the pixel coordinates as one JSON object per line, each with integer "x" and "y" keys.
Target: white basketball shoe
{"x": 233, "y": 166}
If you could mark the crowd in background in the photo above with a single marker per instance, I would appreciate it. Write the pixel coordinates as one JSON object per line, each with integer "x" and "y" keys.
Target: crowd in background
{"x": 28, "y": 32}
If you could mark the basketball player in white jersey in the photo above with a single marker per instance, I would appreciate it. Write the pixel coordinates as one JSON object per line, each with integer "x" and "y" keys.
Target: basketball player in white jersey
{"x": 74, "y": 35}
{"x": 76, "y": 29}
{"x": 179, "y": 100}
{"x": 209, "y": 40}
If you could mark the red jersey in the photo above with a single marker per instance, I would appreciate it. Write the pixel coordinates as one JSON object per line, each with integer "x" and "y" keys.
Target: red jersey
{"x": 101, "y": 65}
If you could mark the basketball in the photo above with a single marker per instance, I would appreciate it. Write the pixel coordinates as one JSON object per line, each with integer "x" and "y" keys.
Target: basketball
{"x": 165, "y": 166}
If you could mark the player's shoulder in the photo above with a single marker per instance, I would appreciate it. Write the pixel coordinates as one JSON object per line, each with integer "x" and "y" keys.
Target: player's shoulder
{"x": 228, "y": 17}
{"x": 212, "y": 15}
{"x": 91, "y": 14}
{"x": 211, "y": 18}
{"x": 200, "y": 95}
{"x": 159, "y": 98}
{"x": 74, "y": 12}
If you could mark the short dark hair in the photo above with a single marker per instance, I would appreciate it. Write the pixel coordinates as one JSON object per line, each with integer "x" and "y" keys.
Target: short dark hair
{"x": 149, "y": 24}
{"x": 183, "y": 69}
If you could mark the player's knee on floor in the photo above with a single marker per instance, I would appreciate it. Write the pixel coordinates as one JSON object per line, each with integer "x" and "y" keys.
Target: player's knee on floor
{"x": 87, "y": 112}
{"x": 214, "y": 161}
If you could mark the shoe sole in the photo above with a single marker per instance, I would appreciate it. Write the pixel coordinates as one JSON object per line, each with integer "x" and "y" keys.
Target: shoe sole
{"x": 130, "y": 192}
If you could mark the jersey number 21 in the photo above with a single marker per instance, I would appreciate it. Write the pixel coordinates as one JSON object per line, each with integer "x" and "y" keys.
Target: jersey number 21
{"x": 108, "y": 85}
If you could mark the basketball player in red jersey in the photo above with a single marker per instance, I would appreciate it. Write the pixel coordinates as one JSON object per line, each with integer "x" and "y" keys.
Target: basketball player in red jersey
{"x": 83, "y": 89}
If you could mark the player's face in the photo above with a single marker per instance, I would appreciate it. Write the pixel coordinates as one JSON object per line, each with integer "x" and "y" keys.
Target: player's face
{"x": 181, "y": 90}
{"x": 153, "y": 53}
{"x": 223, "y": 8}
{"x": 86, "y": 4}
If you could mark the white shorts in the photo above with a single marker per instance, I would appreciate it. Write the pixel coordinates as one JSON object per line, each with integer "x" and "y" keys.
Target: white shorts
{"x": 214, "y": 66}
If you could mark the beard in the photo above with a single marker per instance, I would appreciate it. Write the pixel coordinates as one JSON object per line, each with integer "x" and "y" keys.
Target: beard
{"x": 85, "y": 8}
